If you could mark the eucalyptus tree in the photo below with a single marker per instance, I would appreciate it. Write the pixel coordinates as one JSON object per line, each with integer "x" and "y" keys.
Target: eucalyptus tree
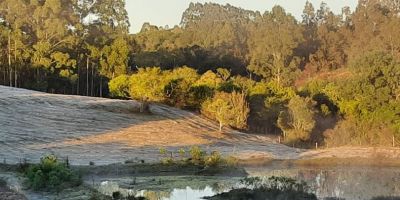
{"x": 273, "y": 41}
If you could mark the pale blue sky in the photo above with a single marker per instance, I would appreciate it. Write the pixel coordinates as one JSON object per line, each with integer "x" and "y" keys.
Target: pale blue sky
{"x": 169, "y": 12}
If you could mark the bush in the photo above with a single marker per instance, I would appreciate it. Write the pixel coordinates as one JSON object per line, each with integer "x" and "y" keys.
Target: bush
{"x": 356, "y": 132}
{"x": 297, "y": 121}
{"x": 119, "y": 87}
{"x": 180, "y": 81}
{"x": 214, "y": 159}
{"x": 325, "y": 110}
{"x": 197, "y": 155}
{"x": 51, "y": 174}
{"x": 228, "y": 109}
{"x": 148, "y": 84}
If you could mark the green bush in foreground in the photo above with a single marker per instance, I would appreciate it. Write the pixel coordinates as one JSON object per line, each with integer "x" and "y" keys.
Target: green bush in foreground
{"x": 198, "y": 157}
{"x": 51, "y": 174}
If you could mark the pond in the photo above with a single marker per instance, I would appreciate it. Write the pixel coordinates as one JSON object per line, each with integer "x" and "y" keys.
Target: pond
{"x": 352, "y": 183}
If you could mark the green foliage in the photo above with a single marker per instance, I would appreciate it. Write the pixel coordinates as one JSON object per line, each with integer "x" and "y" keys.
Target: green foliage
{"x": 51, "y": 174}
{"x": 148, "y": 84}
{"x": 163, "y": 151}
{"x": 181, "y": 81}
{"x": 196, "y": 154}
{"x": 209, "y": 79}
{"x": 354, "y": 63}
{"x": 277, "y": 94}
{"x": 298, "y": 121}
{"x": 199, "y": 94}
{"x": 272, "y": 44}
{"x": 182, "y": 152}
{"x": 224, "y": 74}
{"x": 119, "y": 86}
{"x": 228, "y": 109}
{"x": 213, "y": 160}
{"x": 198, "y": 157}
{"x": 114, "y": 60}
{"x": 325, "y": 110}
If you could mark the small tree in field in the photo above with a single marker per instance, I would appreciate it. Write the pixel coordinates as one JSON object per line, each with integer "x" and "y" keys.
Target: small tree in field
{"x": 220, "y": 110}
{"x": 228, "y": 109}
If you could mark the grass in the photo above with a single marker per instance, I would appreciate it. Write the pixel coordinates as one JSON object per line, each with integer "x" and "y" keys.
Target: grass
{"x": 371, "y": 162}
{"x": 3, "y": 183}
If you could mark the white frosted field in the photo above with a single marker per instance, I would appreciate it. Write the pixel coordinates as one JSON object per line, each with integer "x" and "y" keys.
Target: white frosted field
{"x": 104, "y": 131}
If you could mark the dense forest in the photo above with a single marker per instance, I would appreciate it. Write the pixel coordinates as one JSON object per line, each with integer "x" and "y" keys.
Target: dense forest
{"x": 332, "y": 78}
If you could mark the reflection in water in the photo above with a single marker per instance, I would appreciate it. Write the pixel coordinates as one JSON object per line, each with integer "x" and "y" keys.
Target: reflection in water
{"x": 344, "y": 182}
{"x": 189, "y": 193}
{"x": 350, "y": 183}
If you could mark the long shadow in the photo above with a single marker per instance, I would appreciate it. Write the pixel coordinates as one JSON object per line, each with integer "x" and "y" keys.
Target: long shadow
{"x": 31, "y": 120}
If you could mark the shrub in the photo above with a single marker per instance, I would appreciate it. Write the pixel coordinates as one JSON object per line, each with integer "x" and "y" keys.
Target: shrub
{"x": 182, "y": 152}
{"x": 148, "y": 84}
{"x": 198, "y": 157}
{"x": 228, "y": 109}
{"x": 214, "y": 159}
{"x": 209, "y": 79}
{"x": 180, "y": 81}
{"x": 199, "y": 94}
{"x": 166, "y": 159}
{"x": 51, "y": 174}
{"x": 297, "y": 121}
{"x": 119, "y": 86}
{"x": 231, "y": 161}
{"x": 197, "y": 154}
{"x": 325, "y": 110}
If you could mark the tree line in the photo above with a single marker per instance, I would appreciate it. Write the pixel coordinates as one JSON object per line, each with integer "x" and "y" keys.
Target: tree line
{"x": 63, "y": 46}
{"x": 327, "y": 78}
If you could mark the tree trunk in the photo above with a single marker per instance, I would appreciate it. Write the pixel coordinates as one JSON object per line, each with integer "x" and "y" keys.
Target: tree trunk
{"x": 220, "y": 126}
{"x": 9, "y": 58}
{"x": 15, "y": 63}
{"x": 79, "y": 79}
{"x": 87, "y": 76}
{"x": 91, "y": 88}
{"x": 4, "y": 76}
{"x": 101, "y": 86}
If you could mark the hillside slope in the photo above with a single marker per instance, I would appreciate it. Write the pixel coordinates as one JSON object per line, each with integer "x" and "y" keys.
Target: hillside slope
{"x": 106, "y": 131}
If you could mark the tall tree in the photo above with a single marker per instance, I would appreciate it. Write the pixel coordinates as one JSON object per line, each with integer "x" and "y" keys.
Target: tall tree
{"x": 272, "y": 46}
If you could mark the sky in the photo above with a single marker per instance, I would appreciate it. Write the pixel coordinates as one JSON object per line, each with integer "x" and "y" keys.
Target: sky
{"x": 169, "y": 12}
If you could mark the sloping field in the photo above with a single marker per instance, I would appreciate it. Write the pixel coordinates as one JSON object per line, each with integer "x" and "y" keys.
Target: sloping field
{"x": 107, "y": 131}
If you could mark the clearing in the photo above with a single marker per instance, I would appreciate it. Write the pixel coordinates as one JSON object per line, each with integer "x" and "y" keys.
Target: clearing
{"x": 105, "y": 131}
